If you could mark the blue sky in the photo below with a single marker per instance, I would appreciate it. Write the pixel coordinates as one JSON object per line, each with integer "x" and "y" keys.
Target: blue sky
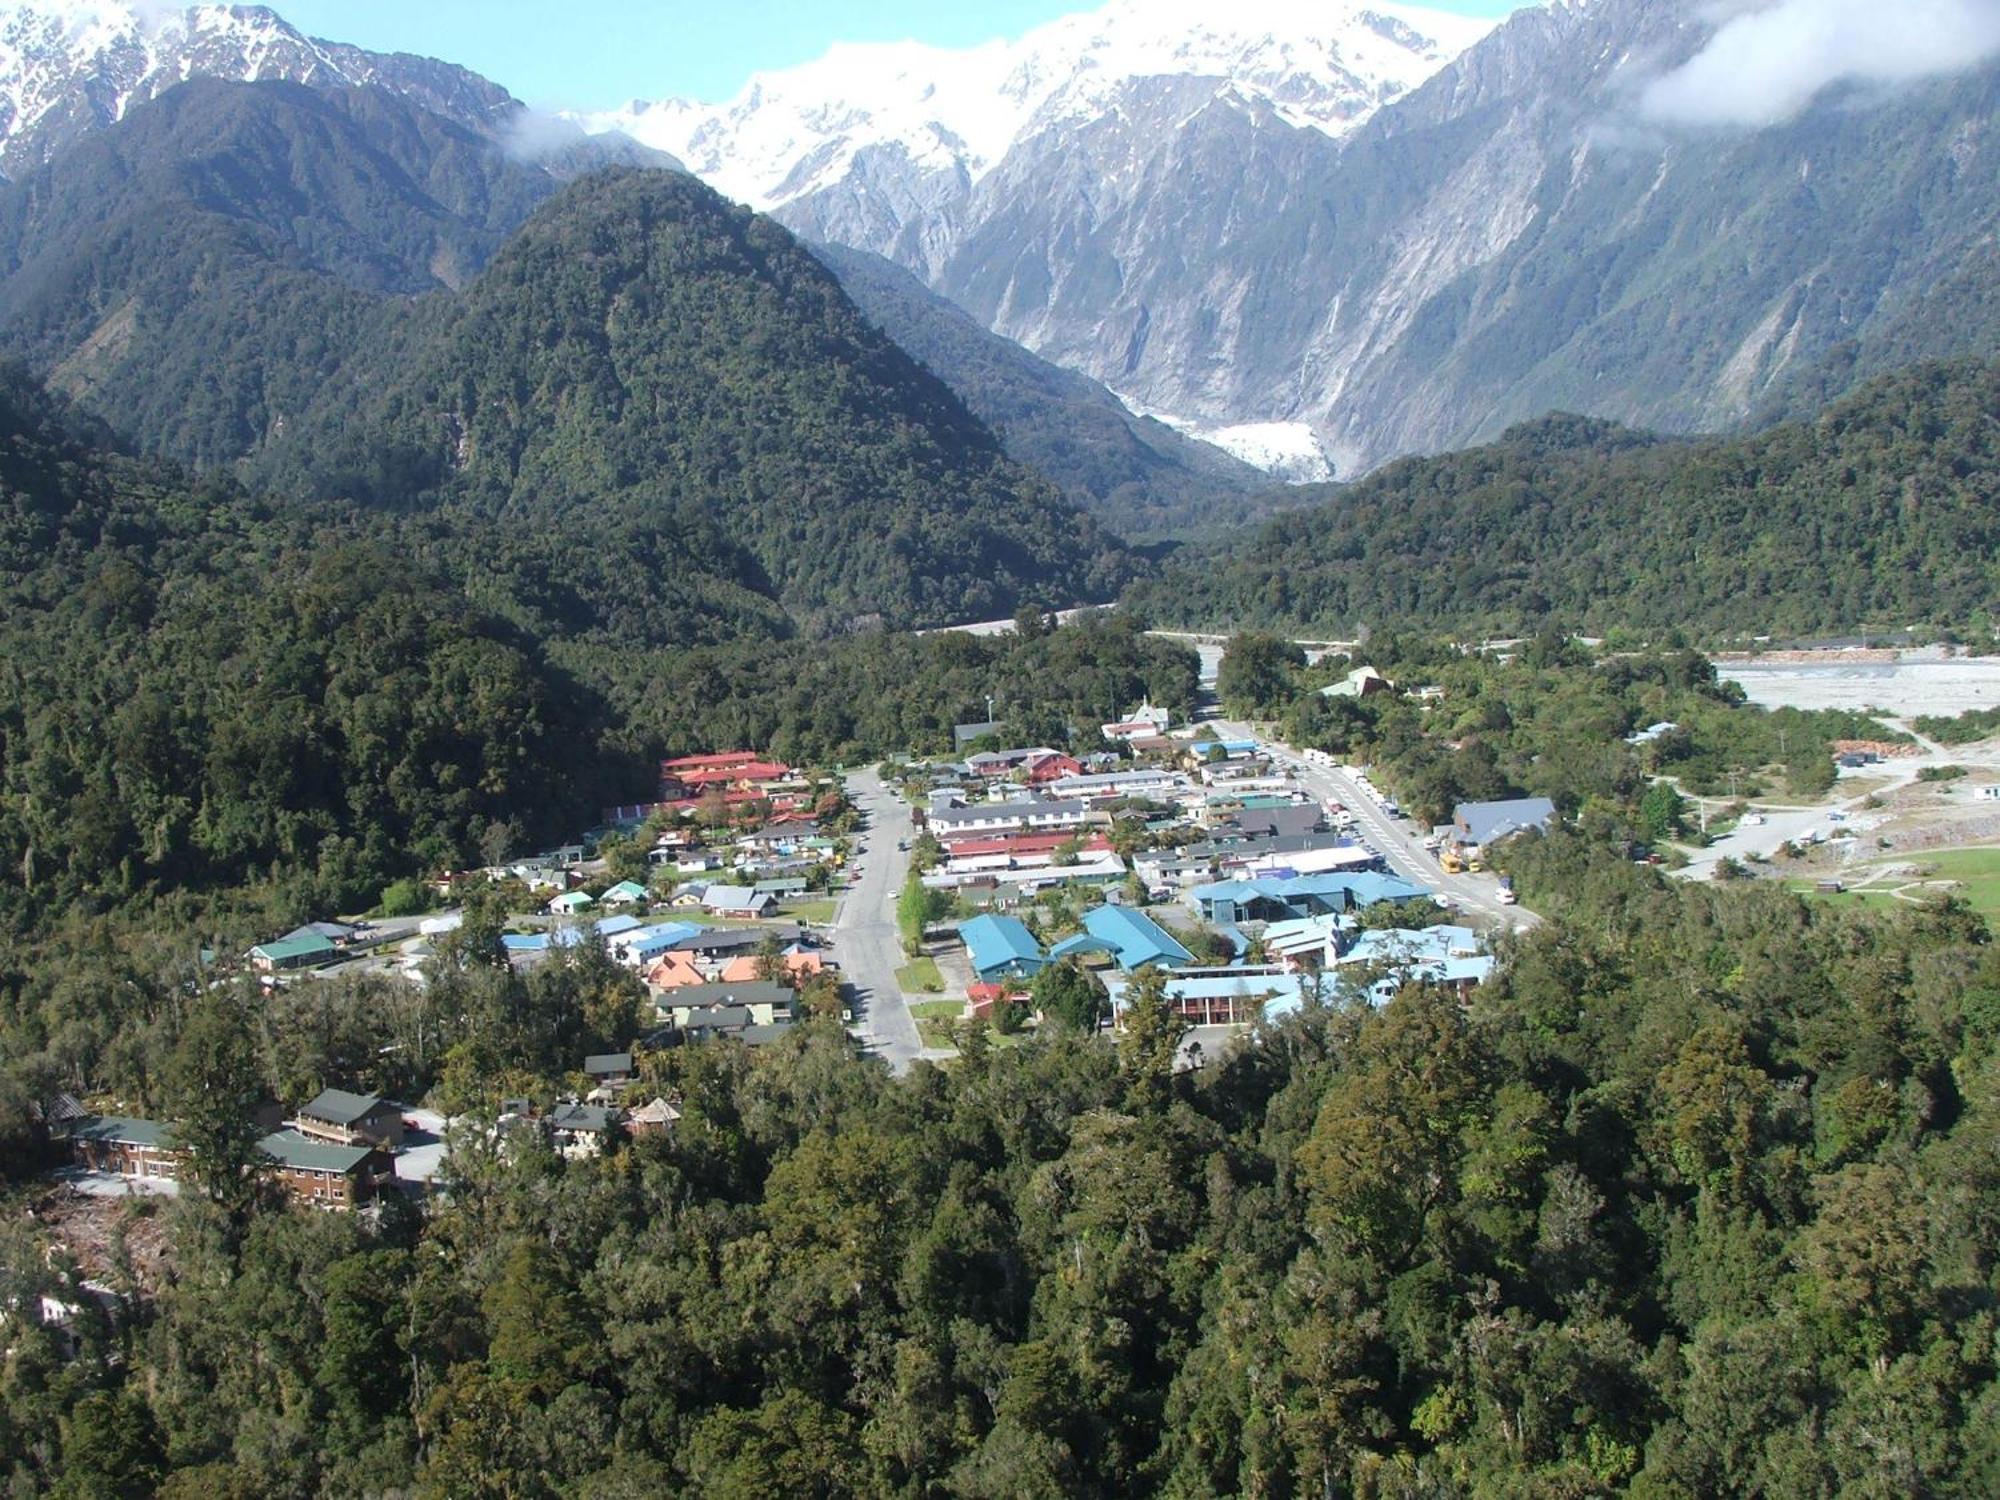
{"x": 600, "y": 53}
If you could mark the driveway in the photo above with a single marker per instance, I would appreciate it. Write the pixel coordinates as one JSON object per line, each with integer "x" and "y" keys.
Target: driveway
{"x": 865, "y": 939}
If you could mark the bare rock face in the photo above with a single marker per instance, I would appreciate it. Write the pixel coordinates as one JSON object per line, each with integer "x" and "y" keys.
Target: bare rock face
{"x": 1399, "y": 237}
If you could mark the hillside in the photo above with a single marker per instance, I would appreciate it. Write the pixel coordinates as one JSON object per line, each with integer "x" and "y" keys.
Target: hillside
{"x": 201, "y": 688}
{"x": 1885, "y": 510}
{"x": 1138, "y": 476}
{"x": 642, "y": 350}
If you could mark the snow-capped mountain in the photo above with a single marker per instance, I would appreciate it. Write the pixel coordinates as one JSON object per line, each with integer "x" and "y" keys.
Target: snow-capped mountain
{"x": 966, "y": 166}
{"x": 71, "y": 66}
{"x": 789, "y": 134}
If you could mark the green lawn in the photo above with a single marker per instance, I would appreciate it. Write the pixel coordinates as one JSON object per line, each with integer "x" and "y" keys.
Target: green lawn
{"x": 1978, "y": 871}
{"x": 921, "y": 976}
{"x": 817, "y": 910}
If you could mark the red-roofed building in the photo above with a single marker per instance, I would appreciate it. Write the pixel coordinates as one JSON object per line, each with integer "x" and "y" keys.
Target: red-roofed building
{"x": 745, "y": 772}
{"x": 1053, "y": 767}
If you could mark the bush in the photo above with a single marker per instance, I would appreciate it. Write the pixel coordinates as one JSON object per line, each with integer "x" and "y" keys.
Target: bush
{"x": 404, "y": 898}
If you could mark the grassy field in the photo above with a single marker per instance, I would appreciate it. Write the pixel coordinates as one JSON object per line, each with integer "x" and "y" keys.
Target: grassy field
{"x": 935, "y": 1018}
{"x": 1977, "y": 871}
{"x": 921, "y": 976}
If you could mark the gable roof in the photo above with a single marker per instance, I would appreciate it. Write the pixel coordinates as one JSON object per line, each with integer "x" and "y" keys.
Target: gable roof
{"x": 1483, "y": 823}
{"x": 122, "y": 1130}
{"x": 996, "y": 941}
{"x": 310, "y": 945}
{"x": 290, "y": 1149}
{"x": 734, "y": 992}
{"x": 1135, "y": 938}
{"x": 339, "y": 1107}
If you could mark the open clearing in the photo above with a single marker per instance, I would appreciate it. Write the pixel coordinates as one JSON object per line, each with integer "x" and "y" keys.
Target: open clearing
{"x": 1904, "y": 688}
{"x": 1971, "y": 873}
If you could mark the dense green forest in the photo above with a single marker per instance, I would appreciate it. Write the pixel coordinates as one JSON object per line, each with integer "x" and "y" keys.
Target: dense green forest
{"x": 1698, "y": 1198}
{"x": 1138, "y": 476}
{"x": 1550, "y": 720}
{"x": 1882, "y": 511}
{"x": 641, "y": 350}
{"x": 203, "y": 689}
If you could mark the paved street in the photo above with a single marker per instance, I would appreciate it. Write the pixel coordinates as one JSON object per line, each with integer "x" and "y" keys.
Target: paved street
{"x": 1399, "y": 842}
{"x": 865, "y": 940}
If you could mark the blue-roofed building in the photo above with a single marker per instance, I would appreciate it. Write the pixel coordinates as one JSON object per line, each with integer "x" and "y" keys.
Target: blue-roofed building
{"x": 1409, "y": 945}
{"x": 1002, "y": 948}
{"x": 1283, "y": 900}
{"x": 1132, "y": 938}
{"x": 642, "y": 945}
{"x": 1480, "y": 825}
{"x": 610, "y": 927}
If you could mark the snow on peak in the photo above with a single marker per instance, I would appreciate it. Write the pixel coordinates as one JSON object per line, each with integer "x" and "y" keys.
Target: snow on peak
{"x": 1326, "y": 65}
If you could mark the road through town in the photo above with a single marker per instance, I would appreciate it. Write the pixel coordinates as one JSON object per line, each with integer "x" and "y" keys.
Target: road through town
{"x": 865, "y": 940}
{"x": 1399, "y": 842}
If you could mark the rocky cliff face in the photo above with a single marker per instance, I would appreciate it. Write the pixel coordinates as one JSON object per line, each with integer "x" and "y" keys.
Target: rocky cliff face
{"x": 1401, "y": 258}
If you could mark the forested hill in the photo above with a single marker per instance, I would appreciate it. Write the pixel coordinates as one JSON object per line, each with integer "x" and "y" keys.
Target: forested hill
{"x": 1138, "y": 475}
{"x": 200, "y": 688}
{"x": 1884, "y": 510}
{"x": 643, "y": 350}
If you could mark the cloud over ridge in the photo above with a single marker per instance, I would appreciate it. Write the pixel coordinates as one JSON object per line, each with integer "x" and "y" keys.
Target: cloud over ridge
{"x": 1766, "y": 64}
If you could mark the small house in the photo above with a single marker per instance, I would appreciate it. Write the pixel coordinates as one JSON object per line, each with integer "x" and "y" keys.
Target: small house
{"x": 609, "y": 1069}
{"x": 569, "y": 903}
{"x": 580, "y": 1130}
{"x": 738, "y": 901}
{"x": 625, "y": 893}
{"x": 655, "y": 1118}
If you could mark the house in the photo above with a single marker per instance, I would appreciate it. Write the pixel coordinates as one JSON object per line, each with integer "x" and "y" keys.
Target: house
{"x": 609, "y": 1069}
{"x": 128, "y": 1147}
{"x": 1290, "y": 821}
{"x": 625, "y": 893}
{"x": 1215, "y": 997}
{"x": 990, "y": 765}
{"x": 784, "y": 888}
{"x": 1143, "y": 722}
{"x": 580, "y": 1130}
{"x": 1002, "y": 948}
{"x": 1362, "y": 682}
{"x": 745, "y": 967}
{"x": 763, "y": 1002}
{"x": 286, "y": 954}
{"x": 781, "y": 836}
{"x": 963, "y": 735}
{"x": 1280, "y": 899}
{"x": 1052, "y": 766}
{"x": 347, "y": 1119}
{"x": 569, "y": 903}
{"x": 1480, "y": 825}
{"x": 675, "y": 971}
{"x": 1131, "y": 938}
{"x": 655, "y": 1118}
{"x": 318, "y": 1174}
{"x": 738, "y": 901}
{"x": 644, "y": 945}
{"x": 1109, "y": 786}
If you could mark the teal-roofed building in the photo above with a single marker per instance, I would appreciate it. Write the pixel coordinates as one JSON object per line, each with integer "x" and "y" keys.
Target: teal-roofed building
{"x": 304, "y": 952}
{"x": 1131, "y": 938}
{"x": 1002, "y": 948}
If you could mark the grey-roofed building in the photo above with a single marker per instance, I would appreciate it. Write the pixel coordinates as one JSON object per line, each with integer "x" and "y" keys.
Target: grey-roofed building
{"x": 1480, "y": 825}
{"x": 1023, "y": 816}
{"x": 735, "y": 939}
{"x": 581, "y": 1129}
{"x": 609, "y": 1067}
{"x": 970, "y": 734}
{"x": 347, "y": 1119}
{"x": 764, "y": 1002}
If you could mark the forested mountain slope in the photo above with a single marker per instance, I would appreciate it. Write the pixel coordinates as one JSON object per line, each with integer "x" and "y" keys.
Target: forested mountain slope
{"x": 200, "y": 688}
{"x": 1885, "y": 510}
{"x": 1138, "y": 476}
{"x": 642, "y": 350}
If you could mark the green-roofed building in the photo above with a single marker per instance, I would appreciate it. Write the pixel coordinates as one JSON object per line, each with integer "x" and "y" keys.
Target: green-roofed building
{"x": 308, "y": 951}
{"x": 129, "y": 1147}
{"x": 322, "y": 1175}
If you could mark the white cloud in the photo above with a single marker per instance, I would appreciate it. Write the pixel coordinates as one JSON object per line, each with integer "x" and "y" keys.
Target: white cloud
{"x": 1766, "y": 65}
